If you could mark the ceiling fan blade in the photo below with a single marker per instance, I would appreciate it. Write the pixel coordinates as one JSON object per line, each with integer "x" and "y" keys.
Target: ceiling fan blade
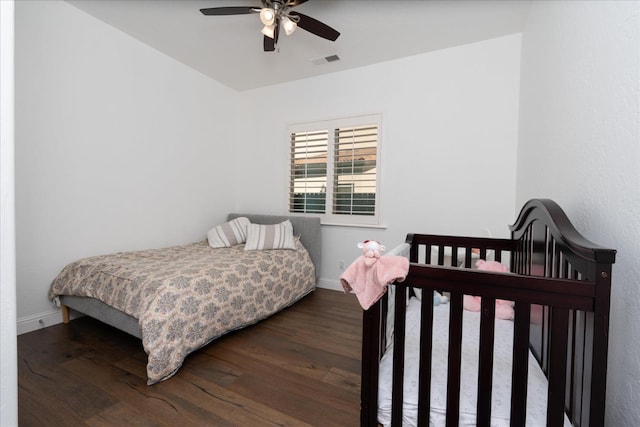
{"x": 294, "y": 3}
{"x": 316, "y": 27}
{"x": 269, "y": 44}
{"x": 234, "y": 10}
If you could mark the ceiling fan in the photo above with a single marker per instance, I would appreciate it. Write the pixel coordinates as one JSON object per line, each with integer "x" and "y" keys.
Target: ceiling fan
{"x": 275, "y": 14}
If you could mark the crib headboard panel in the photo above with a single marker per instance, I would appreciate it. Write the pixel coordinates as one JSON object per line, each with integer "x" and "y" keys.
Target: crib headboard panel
{"x": 547, "y": 245}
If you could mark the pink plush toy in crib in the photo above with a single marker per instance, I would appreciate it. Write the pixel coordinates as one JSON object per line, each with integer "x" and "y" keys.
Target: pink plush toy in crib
{"x": 504, "y": 308}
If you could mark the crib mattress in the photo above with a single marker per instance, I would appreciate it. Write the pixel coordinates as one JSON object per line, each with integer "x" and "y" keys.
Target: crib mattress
{"x": 501, "y": 394}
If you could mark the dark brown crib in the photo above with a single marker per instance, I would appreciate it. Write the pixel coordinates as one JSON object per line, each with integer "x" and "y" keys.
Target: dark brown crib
{"x": 560, "y": 283}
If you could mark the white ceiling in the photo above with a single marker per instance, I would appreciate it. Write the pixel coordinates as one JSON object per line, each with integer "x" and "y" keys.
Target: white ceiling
{"x": 229, "y": 48}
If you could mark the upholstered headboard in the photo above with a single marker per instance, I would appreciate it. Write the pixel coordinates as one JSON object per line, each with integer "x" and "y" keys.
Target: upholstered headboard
{"x": 307, "y": 227}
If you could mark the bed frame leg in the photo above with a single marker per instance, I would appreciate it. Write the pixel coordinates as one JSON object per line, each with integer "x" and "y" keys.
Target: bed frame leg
{"x": 65, "y": 314}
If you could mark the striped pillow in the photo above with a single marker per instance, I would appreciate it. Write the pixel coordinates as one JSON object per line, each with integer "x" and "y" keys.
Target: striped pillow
{"x": 276, "y": 236}
{"x": 228, "y": 234}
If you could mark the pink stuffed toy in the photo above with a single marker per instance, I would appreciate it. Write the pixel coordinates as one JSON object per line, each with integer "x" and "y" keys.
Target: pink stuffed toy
{"x": 504, "y": 308}
{"x": 371, "y": 250}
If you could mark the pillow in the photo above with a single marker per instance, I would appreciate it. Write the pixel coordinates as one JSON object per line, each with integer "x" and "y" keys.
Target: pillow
{"x": 276, "y": 236}
{"x": 228, "y": 234}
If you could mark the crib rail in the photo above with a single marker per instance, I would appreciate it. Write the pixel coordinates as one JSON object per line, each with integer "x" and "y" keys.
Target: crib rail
{"x": 561, "y": 310}
{"x": 524, "y": 292}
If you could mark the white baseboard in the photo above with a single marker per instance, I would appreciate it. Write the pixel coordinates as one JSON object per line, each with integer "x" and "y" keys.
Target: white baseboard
{"x": 330, "y": 284}
{"x": 41, "y": 320}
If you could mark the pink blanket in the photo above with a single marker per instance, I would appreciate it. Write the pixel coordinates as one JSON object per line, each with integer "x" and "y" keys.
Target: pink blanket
{"x": 368, "y": 277}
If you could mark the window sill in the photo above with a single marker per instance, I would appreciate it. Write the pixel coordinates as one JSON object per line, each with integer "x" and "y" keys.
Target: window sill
{"x": 355, "y": 225}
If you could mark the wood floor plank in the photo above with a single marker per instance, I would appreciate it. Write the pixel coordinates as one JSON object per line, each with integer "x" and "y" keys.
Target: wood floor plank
{"x": 313, "y": 408}
{"x": 275, "y": 349}
{"x": 345, "y": 379}
{"x": 79, "y": 397}
{"x": 123, "y": 414}
{"x": 309, "y": 378}
{"x": 314, "y": 326}
{"x": 37, "y": 408}
{"x": 291, "y": 387}
{"x": 299, "y": 367}
{"x": 203, "y": 402}
{"x": 237, "y": 408}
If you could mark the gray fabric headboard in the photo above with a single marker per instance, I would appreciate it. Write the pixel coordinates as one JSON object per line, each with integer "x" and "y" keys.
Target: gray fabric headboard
{"x": 307, "y": 227}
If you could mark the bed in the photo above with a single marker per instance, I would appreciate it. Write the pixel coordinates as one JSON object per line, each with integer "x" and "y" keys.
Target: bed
{"x": 181, "y": 298}
{"x": 427, "y": 364}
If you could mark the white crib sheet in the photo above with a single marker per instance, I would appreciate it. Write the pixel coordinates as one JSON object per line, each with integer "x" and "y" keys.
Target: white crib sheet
{"x": 501, "y": 395}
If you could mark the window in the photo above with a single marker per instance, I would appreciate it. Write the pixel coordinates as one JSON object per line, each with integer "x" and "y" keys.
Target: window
{"x": 334, "y": 169}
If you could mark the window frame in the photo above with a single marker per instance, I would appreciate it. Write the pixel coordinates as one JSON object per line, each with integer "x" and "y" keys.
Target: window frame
{"x": 329, "y": 125}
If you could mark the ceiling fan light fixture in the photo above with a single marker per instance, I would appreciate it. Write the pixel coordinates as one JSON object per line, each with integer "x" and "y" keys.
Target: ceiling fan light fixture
{"x": 289, "y": 25}
{"x": 268, "y": 30}
{"x": 267, "y": 16}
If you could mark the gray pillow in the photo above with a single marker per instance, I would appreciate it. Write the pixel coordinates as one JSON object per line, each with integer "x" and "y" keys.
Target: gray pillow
{"x": 228, "y": 234}
{"x": 274, "y": 236}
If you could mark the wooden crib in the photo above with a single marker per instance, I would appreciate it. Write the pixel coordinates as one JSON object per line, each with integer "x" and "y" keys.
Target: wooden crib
{"x": 560, "y": 283}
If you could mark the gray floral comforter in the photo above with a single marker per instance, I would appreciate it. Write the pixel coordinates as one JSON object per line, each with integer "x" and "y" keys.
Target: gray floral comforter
{"x": 186, "y": 296}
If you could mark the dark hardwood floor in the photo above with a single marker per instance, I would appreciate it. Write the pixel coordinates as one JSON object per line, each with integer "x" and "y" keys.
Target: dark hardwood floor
{"x": 299, "y": 367}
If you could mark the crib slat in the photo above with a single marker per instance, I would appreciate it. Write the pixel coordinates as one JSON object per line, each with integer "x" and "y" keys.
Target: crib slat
{"x": 569, "y": 381}
{"x": 455, "y": 358}
{"x": 578, "y": 359}
{"x": 398, "y": 354}
{"x": 557, "y": 366}
{"x": 485, "y": 362}
{"x": 467, "y": 258}
{"x": 426, "y": 345}
{"x": 371, "y": 322}
{"x": 520, "y": 366}
{"x": 441, "y": 255}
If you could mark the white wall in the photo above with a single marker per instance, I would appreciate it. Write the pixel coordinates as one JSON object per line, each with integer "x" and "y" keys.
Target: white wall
{"x": 118, "y": 147}
{"x": 449, "y": 142}
{"x": 580, "y": 145}
{"x": 8, "y": 369}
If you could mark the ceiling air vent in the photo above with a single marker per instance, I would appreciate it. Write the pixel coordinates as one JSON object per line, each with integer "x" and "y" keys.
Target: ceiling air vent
{"x": 325, "y": 59}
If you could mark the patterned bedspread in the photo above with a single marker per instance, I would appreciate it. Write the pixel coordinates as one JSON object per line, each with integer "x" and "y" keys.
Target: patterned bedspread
{"x": 186, "y": 296}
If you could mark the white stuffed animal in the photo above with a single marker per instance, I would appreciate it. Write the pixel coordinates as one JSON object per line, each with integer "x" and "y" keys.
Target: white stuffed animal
{"x": 371, "y": 248}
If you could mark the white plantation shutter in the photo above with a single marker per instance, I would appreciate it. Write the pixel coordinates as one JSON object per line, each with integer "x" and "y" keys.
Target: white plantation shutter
{"x": 334, "y": 169}
{"x": 354, "y": 178}
{"x": 308, "y": 177}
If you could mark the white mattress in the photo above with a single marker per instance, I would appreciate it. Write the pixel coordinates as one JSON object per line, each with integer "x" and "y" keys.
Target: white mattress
{"x": 501, "y": 395}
